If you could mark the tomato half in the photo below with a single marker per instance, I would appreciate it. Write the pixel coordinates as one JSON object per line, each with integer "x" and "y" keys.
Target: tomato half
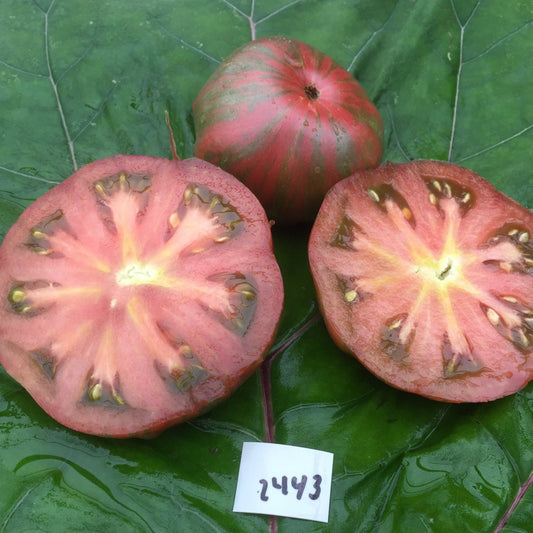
{"x": 424, "y": 271}
{"x": 137, "y": 293}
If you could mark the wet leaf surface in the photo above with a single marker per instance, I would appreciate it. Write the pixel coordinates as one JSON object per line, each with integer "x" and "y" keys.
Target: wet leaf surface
{"x": 79, "y": 82}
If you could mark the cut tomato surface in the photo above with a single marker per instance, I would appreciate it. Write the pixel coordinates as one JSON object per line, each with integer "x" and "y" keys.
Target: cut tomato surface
{"x": 137, "y": 293}
{"x": 424, "y": 272}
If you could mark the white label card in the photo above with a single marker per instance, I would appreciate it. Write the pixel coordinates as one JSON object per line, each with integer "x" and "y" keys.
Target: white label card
{"x": 281, "y": 480}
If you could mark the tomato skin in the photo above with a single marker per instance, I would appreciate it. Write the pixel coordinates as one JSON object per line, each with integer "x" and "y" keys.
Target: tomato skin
{"x": 424, "y": 272}
{"x": 137, "y": 294}
{"x": 287, "y": 121}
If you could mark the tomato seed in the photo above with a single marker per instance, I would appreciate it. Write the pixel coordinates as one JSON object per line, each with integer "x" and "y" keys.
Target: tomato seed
{"x": 437, "y": 185}
{"x": 174, "y": 219}
{"x": 494, "y": 318}
{"x": 350, "y": 296}
{"x": 95, "y": 392}
{"x": 99, "y": 188}
{"x": 16, "y": 296}
{"x": 373, "y": 195}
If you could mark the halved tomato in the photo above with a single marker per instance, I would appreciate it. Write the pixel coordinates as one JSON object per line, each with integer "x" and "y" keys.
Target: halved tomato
{"x": 137, "y": 293}
{"x": 424, "y": 271}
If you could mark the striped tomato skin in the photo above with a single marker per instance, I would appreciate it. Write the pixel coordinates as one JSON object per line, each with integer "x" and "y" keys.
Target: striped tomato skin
{"x": 289, "y": 122}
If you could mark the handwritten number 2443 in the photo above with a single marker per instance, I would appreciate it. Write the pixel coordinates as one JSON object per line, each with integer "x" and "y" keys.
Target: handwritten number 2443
{"x": 298, "y": 486}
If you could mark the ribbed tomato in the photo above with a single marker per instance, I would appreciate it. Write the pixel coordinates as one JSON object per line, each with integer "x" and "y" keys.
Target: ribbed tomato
{"x": 289, "y": 122}
{"x": 424, "y": 271}
{"x": 137, "y": 293}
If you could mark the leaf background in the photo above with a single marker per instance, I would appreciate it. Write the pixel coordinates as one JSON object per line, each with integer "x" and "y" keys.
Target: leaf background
{"x": 452, "y": 79}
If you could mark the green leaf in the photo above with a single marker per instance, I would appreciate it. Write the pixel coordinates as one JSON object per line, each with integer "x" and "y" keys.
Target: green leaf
{"x": 82, "y": 80}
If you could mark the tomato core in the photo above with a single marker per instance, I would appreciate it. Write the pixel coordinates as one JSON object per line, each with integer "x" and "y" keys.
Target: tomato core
{"x": 137, "y": 274}
{"x": 311, "y": 92}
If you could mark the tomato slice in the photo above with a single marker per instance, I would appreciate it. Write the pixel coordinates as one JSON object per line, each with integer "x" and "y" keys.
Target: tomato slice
{"x": 424, "y": 272}
{"x": 137, "y": 293}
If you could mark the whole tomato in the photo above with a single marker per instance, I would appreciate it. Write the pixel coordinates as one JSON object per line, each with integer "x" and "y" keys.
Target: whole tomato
{"x": 289, "y": 122}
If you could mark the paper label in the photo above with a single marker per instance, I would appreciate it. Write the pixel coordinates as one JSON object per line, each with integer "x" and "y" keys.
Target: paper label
{"x": 281, "y": 480}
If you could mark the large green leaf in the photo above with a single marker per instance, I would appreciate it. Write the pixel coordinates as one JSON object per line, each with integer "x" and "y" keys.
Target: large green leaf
{"x": 452, "y": 78}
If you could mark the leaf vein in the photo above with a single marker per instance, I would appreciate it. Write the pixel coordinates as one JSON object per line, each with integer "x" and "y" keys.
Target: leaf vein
{"x": 279, "y": 10}
{"x": 499, "y": 42}
{"x": 76, "y": 62}
{"x": 395, "y": 135}
{"x": 462, "y": 28}
{"x": 53, "y": 82}
{"x": 23, "y": 71}
{"x": 17, "y": 504}
{"x": 370, "y": 40}
{"x": 495, "y": 145}
{"x": 97, "y": 112}
{"x": 29, "y": 176}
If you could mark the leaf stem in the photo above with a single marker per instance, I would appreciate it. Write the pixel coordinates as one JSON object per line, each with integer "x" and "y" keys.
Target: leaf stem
{"x": 266, "y": 394}
{"x": 523, "y": 489}
{"x": 266, "y": 375}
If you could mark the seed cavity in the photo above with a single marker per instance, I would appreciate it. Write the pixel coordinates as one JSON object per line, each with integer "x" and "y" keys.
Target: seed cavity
{"x": 344, "y": 234}
{"x": 185, "y": 378}
{"x": 521, "y": 340}
{"x": 108, "y": 189}
{"x": 122, "y": 181}
{"x": 184, "y": 372}
{"x": 518, "y": 327}
{"x": 458, "y": 363}
{"x": 46, "y": 362}
{"x": 22, "y": 296}
{"x": 39, "y": 237}
{"x": 521, "y": 261}
{"x": 384, "y": 193}
{"x": 213, "y": 206}
{"x": 349, "y": 289}
{"x": 392, "y": 343}
{"x": 242, "y": 301}
{"x": 99, "y": 392}
{"x": 441, "y": 189}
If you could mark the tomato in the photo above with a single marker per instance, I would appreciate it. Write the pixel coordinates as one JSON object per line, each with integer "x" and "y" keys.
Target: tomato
{"x": 424, "y": 272}
{"x": 289, "y": 122}
{"x": 137, "y": 293}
